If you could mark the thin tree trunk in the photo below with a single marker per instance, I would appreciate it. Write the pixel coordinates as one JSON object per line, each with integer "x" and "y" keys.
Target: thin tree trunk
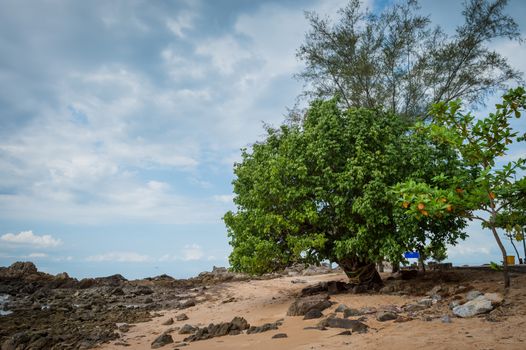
{"x": 524, "y": 243}
{"x": 381, "y": 265}
{"x": 421, "y": 263}
{"x": 514, "y": 247}
{"x": 504, "y": 256}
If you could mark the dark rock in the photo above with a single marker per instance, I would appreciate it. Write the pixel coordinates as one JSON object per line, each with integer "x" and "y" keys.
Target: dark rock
{"x": 124, "y": 327}
{"x": 187, "y": 304}
{"x": 367, "y": 310}
{"x": 415, "y": 307}
{"x": 279, "y": 335}
{"x": 187, "y": 329}
{"x": 335, "y": 322}
{"x": 311, "y": 314}
{"x": 162, "y": 340}
{"x": 402, "y": 319}
{"x": 315, "y": 289}
{"x": 351, "y": 312}
{"x": 239, "y": 323}
{"x": 408, "y": 274}
{"x": 181, "y": 317}
{"x": 168, "y": 322}
{"x": 303, "y": 305}
{"x": 236, "y": 326}
{"x": 25, "y": 268}
{"x": 341, "y": 308}
{"x": 264, "y": 328}
{"x": 113, "y": 280}
{"x": 345, "y": 333}
{"x": 336, "y": 287}
{"x": 143, "y": 290}
{"x": 117, "y": 291}
{"x": 359, "y": 289}
{"x": 383, "y": 316}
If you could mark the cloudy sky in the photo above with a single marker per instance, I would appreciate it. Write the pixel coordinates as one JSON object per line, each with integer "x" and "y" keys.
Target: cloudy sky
{"x": 120, "y": 122}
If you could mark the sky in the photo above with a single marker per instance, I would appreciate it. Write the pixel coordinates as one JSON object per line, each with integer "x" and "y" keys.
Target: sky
{"x": 120, "y": 122}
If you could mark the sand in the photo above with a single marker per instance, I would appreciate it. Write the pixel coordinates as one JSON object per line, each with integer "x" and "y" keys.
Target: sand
{"x": 262, "y": 301}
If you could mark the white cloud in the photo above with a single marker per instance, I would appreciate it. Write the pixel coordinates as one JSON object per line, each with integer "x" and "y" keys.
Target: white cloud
{"x": 30, "y": 239}
{"x": 119, "y": 257}
{"x": 225, "y": 52}
{"x": 179, "y": 24}
{"x": 192, "y": 252}
{"x": 224, "y": 198}
{"x": 37, "y": 255}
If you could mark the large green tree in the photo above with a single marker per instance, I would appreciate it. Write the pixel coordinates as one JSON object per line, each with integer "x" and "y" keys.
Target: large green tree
{"x": 397, "y": 61}
{"x": 320, "y": 189}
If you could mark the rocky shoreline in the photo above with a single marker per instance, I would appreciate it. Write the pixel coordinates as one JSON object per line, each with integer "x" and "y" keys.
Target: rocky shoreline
{"x": 42, "y": 311}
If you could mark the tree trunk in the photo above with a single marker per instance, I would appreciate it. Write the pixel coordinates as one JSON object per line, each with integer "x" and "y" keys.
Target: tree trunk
{"x": 361, "y": 272}
{"x": 381, "y": 265}
{"x": 514, "y": 247}
{"x": 524, "y": 244}
{"x": 421, "y": 263}
{"x": 504, "y": 258}
{"x": 395, "y": 266}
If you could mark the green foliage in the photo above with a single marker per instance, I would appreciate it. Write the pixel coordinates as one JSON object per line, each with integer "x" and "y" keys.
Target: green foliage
{"x": 482, "y": 185}
{"x": 494, "y": 266}
{"x": 320, "y": 189}
{"x": 396, "y": 60}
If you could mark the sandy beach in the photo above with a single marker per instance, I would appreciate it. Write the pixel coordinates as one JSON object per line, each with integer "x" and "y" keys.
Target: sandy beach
{"x": 266, "y": 301}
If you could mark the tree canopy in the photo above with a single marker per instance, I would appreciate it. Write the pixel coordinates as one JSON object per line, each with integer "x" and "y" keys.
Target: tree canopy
{"x": 320, "y": 189}
{"x": 397, "y": 61}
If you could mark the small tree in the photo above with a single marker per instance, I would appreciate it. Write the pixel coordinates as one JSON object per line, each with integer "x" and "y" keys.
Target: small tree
{"x": 481, "y": 190}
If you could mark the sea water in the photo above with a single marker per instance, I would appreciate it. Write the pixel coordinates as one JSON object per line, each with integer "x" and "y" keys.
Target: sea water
{"x": 3, "y": 301}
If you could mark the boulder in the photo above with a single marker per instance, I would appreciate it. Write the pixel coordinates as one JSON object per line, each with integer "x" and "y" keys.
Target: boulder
{"x": 479, "y": 305}
{"x": 279, "y": 335}
{"x": 311, "y": 314}
{"x": 181, "y": 317}
{"x": 303, "y": 305}
{"x": 187, "y": 304}
{"x": 264, "y": 328}
{"x": 383, "y": 316}
{"x": 168, "y": 322}
{"x": 162, "y": 340}
{"x": 351, "y": 312}
{"x": 336, "y": 322}
{"x": 187, "y": 329}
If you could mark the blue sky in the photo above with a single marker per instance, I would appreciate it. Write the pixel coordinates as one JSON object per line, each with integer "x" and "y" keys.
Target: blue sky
{"x": 120, "y": 122}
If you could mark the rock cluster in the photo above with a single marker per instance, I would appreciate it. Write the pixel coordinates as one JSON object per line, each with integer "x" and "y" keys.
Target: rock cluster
{"x": 234, "y": 327}
{"x": 41, "y": 311}
{"x": 305, "y": 304}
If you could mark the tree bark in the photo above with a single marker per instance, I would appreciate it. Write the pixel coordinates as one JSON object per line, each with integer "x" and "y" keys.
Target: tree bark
{"x": 504, "y": 258}
{"x": 361, "y": 272}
